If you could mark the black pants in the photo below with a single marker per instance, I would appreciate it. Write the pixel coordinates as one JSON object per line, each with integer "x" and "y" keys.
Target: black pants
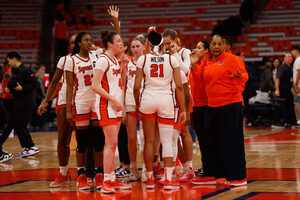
{"x": 123, "y": 145}
{"x": 22, "y": 116}
{"x": 7, "y": 105}
{"x": 289, "y": 116}
{"x": 225, "y": 142}
{"x": 199, "y": 122}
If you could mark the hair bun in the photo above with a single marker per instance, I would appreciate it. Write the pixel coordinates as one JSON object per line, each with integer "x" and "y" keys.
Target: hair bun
{"x": 155, "y": 38}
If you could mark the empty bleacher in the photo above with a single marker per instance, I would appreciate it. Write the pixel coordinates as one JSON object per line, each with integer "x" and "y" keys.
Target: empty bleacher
{"x": 20, "y": 28}
{"x": 274, "y": 32}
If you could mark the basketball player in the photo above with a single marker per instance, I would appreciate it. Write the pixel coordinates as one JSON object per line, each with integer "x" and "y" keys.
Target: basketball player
{"x": 64, "y": 129}
{"x": 156, "y": 105}
{"x": 107, "y": 85}
{"x": 171, "y": 42}
{"x": 128, "y": 77}
{"x": 79, "y": 72}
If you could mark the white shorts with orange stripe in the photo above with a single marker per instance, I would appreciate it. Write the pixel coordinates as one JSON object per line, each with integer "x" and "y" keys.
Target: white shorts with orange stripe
{"x": 131, "y": 109}
{"x": 159, "y": 106}
{"x": 61, "y": 100}
{"x": 106, "y": 113}
{"x": 84, "y": 111}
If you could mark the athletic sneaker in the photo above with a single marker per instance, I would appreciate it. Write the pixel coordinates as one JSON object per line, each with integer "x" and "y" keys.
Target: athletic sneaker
{"x": 30, "y": 151}
{"x": 118, "y": 185}
{"x": 171, "y": 185}
{"x": 150, "y": 183}
{"x": 187, "y": 175}
{"x": 6, "y": 157}
{"x": 143, "y": 176}
{"x": 199, "y": 172}
{"x": 107, "y": 187}
{"x": 162, "y": 180}
{"x": 204, "y": 180}
{"x": 158, "y": 171}
{"x": 122, "y": 173}
{"x": 98, "y": 181}
{"x": 60, "y": 180}
{"x": 134, "y": 174}
{"x": 82, "y": 183}
{"x": 118, "y": 169}
{"x": 236, "y": 183}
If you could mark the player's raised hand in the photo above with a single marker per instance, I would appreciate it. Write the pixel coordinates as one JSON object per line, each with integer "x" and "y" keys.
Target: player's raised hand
{"x": 113, "y": 11}
{"x": 151, "y": 28}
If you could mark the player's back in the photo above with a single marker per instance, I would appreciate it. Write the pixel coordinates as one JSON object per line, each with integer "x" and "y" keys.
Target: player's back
{"x": 158, "y": 71}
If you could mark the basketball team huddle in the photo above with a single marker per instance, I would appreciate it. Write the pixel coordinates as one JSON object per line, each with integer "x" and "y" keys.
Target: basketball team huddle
{"x": 164, "y": 88}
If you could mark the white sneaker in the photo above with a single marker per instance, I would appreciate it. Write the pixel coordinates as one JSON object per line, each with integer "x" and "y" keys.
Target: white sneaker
{"x": 187, "y": 175}
{"x": 29, "y": 151}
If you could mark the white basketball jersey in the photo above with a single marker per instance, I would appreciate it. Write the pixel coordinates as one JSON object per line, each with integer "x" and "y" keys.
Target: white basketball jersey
{"x": 111, "y": 81}
{"x": 158, "y": 72}
{"x": 61, "y": 65}
{"x": 83, "y": 76}
{"x": 131, "y": 71}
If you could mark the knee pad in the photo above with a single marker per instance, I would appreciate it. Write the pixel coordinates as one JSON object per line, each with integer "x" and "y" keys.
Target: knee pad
{"x": 175, "y": 137}
{"x": 82, "y": 137}
{"x": 166, "y": 132}
{"x": 98, "y": 138}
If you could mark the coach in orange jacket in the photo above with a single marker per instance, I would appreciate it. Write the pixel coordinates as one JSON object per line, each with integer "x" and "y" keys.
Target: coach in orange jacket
{"x": 224, "y": 77}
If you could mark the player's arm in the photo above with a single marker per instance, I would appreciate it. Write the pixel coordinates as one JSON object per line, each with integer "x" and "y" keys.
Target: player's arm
{"x": 113, "y": 11}
{"x": 187, "y": 101}
{"x": 180, "y": 92}
{"x": 137, "y": 86}
{"x": 97, "y": 88}
{"x": 69, "y": 79}
{"x": 186, "y": 62}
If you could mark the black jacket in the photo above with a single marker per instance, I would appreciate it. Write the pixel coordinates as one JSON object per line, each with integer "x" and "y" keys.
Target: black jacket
{"x": 266, "y": 79}
{"x": 25, "y": 77}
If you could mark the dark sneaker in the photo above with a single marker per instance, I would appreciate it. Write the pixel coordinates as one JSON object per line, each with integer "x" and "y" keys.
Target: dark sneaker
{"x": 5, "y": 157}
{"x": 30, "y": 151}
{"x": 124, "y": 172}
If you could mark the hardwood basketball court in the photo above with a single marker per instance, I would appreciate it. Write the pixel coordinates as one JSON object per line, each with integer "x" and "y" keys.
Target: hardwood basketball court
{"x": 273, "y": 168}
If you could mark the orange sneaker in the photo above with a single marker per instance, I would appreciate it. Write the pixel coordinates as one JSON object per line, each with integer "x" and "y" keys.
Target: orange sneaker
{"x": 107, "y": 188}
{"x": 158, "y": 171}
{"x": 236, "y": 183}
{"x": 98, "y": 181}
{"x": 150, "y": 183}
{"x": 171, "y": 185}
{"x": 204, "y": 180}
{"x": 60, "y": 180}
{"x": 118, "y": 185}
{"x": 82, "y": 183}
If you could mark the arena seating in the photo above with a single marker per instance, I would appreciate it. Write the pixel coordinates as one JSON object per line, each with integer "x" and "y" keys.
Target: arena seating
{"x": 275, "y": 31}
{"x": 20, "y": 28}
{"x": 192, "y": 19}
